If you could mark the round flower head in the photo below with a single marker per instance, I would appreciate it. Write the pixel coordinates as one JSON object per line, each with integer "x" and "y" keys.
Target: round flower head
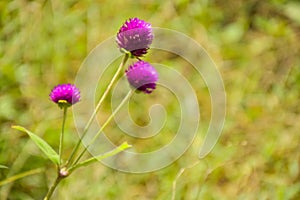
{"x": 135, "y": 36}
{"x": 65, "y": 95}
{"x": 142, "y": 76}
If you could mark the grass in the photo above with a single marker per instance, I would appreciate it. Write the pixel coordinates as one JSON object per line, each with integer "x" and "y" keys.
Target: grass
{"x": 255, "y": 45}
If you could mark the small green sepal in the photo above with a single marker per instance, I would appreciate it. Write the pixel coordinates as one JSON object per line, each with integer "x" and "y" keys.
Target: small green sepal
{"x": 63, "y": 104}
{"x": 127, "y": 52}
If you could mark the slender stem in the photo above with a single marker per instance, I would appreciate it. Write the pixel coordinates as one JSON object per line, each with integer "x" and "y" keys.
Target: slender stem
{"x": 106, "y": 91}
{"x": 181, "y": 171}
{"x": 105, "y": 124}
{"x": 51, "y": 190}
{"x": 98, "y": 107}
{"x": 61, "y": 139}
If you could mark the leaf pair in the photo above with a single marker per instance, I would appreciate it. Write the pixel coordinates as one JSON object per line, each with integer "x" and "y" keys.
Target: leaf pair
{"x": 54, "y": 157}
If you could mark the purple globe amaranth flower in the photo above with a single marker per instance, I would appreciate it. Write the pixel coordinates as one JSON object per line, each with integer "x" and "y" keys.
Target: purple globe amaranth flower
{"x": 142, "y": 76}
{"x": 65, "y": 95}
{"x": 135, "y": 36}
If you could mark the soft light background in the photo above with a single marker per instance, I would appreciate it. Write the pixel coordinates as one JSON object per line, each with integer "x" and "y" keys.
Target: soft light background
{"x": 256, "y": 47}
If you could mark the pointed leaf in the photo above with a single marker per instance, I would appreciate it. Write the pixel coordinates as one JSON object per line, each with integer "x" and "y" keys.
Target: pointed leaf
{"x": 113, "y": 152}
{"x": 44, "y": 146}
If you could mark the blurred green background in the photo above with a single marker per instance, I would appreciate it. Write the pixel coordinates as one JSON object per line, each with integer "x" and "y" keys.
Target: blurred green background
{"x": 255, "y": 45}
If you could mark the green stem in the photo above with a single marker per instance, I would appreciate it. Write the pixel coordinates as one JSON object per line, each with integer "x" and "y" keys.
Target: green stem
{"x": 105, "y": 124}
{"x": 98, "y": 107}
{"x": 61, "y": 139}
{"x": 113, "y": 152}
{"x": 53, "y": 187}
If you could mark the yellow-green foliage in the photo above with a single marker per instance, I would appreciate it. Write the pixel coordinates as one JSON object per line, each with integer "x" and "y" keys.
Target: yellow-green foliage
{"x": 256, "y": 46}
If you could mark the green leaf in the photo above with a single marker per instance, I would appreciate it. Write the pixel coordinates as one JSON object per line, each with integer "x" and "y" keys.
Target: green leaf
{"x": 3, "y": 167}
{"x": 44, "y": 146}
{"x": 113, "y": 152}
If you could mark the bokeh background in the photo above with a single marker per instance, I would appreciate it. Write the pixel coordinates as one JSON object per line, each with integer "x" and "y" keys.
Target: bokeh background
{"x": 255, "y": 45}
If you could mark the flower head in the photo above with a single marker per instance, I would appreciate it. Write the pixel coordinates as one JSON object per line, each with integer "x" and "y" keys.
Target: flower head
{"x": 135, "y": 36}
{"x": 142, "y": 76}
{"x": 65, "y": 94}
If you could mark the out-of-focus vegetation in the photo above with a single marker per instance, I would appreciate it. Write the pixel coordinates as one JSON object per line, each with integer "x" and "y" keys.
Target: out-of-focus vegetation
{"x": 256, "y": 47}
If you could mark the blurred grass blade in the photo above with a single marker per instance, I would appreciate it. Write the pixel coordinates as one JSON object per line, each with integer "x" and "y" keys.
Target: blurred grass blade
{"x": 21, "y": 175}
{"x": 44, "y": 146}
{"x": 3, "y": 167}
